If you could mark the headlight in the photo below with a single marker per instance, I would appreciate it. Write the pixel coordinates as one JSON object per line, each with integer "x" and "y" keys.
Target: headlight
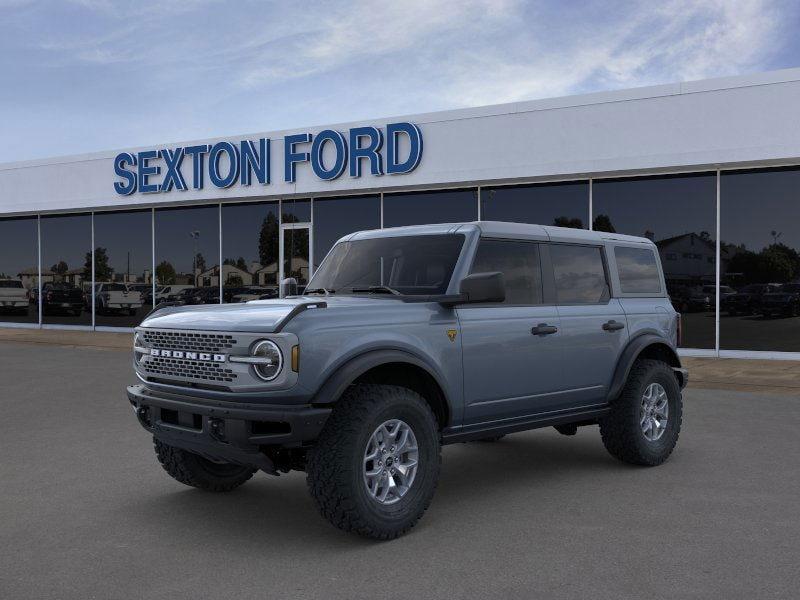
{"x": 271, "y": 361}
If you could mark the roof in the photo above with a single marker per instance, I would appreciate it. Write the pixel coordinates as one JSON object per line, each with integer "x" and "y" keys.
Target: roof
{"x": 503, "y": 229}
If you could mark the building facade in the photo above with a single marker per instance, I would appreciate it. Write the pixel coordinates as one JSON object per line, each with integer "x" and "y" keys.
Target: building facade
{"x": 709, "y": 170}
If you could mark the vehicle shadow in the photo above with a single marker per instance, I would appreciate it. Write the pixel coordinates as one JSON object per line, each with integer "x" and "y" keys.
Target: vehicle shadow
{"x": 268, "y": 512}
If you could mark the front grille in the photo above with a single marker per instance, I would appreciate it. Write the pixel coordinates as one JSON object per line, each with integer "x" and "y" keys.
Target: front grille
{"x": 193, "y": 342}
{"x": 187, "y": 369}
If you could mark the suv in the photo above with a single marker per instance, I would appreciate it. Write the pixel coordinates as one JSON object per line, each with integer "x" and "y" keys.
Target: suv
{"x": 406, "y": 339}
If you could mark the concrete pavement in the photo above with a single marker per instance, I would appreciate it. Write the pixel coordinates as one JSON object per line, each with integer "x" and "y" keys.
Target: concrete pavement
{"x": 87, "y": 512}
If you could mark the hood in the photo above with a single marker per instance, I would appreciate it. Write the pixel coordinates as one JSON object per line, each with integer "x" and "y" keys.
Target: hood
{"x": 258, "y": 316}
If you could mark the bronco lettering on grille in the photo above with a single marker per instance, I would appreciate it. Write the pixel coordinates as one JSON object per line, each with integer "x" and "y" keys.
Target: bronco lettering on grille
{"x": 204, "y": 356}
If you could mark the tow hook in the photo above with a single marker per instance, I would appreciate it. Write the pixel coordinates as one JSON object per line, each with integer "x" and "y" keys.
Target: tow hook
{"x": 216, "y": 428}
{"x": 143, "y": 414}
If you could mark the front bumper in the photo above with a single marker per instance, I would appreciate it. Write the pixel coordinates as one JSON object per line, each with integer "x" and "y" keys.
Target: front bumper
{"x": 225, "y": 431}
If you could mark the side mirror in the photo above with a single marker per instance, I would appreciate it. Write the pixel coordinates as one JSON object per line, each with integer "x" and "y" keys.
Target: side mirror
{"x": 288, "y": 287}
{"x": 478, "y": 288}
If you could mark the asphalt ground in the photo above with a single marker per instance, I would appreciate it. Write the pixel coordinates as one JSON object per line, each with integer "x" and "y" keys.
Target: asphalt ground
{"x": 87, "y": 512}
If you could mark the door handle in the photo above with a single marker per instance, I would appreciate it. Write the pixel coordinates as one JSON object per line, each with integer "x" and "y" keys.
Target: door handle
{"x": 612, "y": 325}
{"x": 544, "y": 329}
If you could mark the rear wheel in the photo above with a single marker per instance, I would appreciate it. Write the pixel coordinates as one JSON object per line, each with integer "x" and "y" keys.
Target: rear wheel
{"x": 194, "y": 470}
{"x": 645, "y": 421}
{"x": 375, "y": 466}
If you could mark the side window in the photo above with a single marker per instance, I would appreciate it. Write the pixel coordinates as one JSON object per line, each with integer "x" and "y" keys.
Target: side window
{"x": 638, "y": 271}
{"x": 519, "y": 263}
{"x": 579, "y": 274}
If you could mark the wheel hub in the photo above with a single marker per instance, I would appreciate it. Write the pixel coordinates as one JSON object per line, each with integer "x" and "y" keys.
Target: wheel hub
{"x": 654, "y": 412}
{"x": 390, "y": 461}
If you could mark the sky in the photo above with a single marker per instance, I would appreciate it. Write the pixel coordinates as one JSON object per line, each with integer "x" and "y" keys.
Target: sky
{"x": 87, "y": 75}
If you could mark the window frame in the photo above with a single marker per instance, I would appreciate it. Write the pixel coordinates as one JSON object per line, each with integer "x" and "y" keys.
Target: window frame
{"x": 615, "y": 272}
{"x": 659, "y": 271}
{"x": 546, "y": 290}
{"x": 606, "y": 273}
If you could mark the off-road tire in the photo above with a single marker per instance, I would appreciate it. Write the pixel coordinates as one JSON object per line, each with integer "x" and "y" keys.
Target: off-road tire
{"x": 196, "y": 471}
{"x": 620, "y": 429}
{"x": 335, "y": 465}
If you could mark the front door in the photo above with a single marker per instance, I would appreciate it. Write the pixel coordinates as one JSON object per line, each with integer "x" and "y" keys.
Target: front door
{"x": 511, "y": 350}
{"x": 295, "y": 252}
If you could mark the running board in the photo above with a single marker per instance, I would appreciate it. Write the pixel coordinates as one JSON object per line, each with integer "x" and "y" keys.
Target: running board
{"x": 476, "y": 431}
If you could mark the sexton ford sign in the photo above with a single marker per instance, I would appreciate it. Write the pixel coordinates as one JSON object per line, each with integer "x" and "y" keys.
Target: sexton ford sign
{"x": 225, "y": 164}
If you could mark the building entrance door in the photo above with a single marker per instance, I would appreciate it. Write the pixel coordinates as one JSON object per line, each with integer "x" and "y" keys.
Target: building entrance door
{"x": 295, "y": 253}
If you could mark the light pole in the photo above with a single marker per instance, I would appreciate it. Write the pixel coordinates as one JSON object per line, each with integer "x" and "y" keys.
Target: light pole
{"x": 195, "y": 235}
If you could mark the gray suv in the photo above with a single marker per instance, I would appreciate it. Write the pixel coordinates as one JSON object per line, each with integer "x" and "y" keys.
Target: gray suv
{"x": 407, "y": 339}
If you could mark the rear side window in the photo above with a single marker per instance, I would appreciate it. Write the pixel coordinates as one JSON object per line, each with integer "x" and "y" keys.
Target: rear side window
{"x": 579, "y": 274}
{"x": 519, "y": 264}
{"x": 638, "y": 270}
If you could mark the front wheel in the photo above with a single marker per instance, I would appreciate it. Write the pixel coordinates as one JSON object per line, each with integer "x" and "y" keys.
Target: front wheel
{"x": 194, "y": 470}
{"x": 645, "y": 421}
{"x": 375, "y": 466}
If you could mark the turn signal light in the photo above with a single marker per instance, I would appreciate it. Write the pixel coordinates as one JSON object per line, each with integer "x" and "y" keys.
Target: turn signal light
{"x": 296, "y": 359}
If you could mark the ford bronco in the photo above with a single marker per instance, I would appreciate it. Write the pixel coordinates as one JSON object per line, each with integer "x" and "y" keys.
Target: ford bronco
{"x": 407, "y": 339}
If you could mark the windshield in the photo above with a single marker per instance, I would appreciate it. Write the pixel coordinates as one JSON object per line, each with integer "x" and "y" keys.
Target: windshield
{"x": 12, "y": 283}
{"x": 409, "y": 264}
{"x": 791, "y": 288}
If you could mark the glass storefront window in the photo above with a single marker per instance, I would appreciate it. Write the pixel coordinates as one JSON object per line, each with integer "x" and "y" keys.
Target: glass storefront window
{"x": 123, "y": 268}
{"x": 67, "y": 269}
{"x": 760, "y": 260}
{"x": 420, "y": 208}
{"x": 336, "y": 217}
{"x": 249, "y": 251}
{"x": 679, "y": 214}
{"x": 187, "y": 255}
{"x": 561, "y": 204}
{"x": 296, "y": 211}
{"x": 19, "y": 270}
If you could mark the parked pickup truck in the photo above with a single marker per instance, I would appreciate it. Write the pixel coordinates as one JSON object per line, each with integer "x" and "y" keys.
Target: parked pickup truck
{"x": 116, "y": 298}
{"x": 62, "y": 298}
{"x": 13, "y": 296}
{"x": 407, "y": 339}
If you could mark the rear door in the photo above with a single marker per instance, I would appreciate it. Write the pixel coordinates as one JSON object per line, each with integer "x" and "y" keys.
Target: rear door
{"x": 593, "y": 324}
{"x": 511, "y": 354}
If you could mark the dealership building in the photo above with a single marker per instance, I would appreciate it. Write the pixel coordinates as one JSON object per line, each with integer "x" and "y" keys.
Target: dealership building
{"x": 709, "y": 170}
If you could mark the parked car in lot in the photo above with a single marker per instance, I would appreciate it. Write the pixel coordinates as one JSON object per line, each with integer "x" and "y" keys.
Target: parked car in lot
{"x": 255, "y": 293}
{"x": 687, "y": 299}
{"x": 406, "y": 339}
{"x": 784, "y": 302}
{"x": 169, "y": 293}
{"x": 200, "y": 295}
{"x": 61, "y": 298}
{"x": 747, "y": 301}
{"x": 13, "y": 296}
{"x": 112, "y": 298}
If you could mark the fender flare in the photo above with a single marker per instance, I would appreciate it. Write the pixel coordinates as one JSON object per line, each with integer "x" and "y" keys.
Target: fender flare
{"x": 632, "y": 351}
{"x": 345, "y": 374}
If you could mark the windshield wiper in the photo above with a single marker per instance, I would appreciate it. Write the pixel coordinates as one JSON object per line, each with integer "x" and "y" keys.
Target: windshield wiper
{"x": 320, "y": 290}
{"x": 377, "y": 289}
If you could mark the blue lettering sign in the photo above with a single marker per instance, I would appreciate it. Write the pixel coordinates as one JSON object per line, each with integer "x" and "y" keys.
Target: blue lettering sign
{"x": 371, "y": 151}
{"x": 393, "y": 132}
{"x": 228, "y": 163}
{"x": 340, "y": 149}
{"x": 128, "y": 185}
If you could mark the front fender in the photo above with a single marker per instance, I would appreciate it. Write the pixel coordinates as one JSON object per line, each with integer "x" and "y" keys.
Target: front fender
{"x": 351, "y": 369}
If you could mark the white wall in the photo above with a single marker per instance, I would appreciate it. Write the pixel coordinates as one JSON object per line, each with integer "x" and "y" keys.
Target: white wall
{"x": 729, "y": 122}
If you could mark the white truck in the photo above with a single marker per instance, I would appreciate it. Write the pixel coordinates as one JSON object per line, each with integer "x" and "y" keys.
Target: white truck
{"x": 13, "y": 296}
{"x": 116, "y": 297}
